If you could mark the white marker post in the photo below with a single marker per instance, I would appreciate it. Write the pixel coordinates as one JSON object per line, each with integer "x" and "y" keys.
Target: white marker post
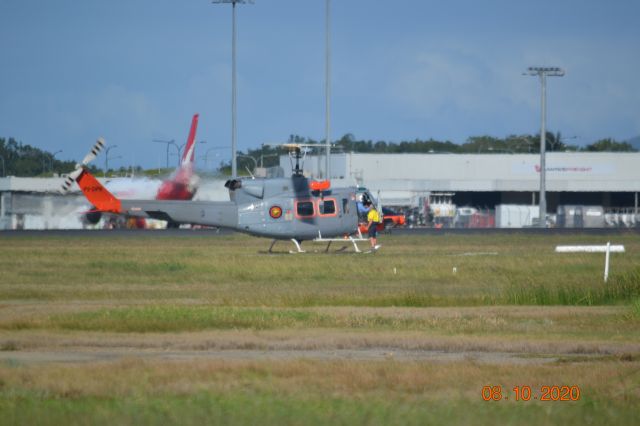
{"x": 594, "y": 249}
{"x": 606, "y": 262}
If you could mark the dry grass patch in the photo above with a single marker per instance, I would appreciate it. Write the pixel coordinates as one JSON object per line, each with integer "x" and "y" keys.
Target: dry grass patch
{"x": 143, "y": 299}
{"x": 602, "y": 380}
{"x": 410, "y": 271}
{"x": 533, "y": 323}
{"x": 309, "y": 340}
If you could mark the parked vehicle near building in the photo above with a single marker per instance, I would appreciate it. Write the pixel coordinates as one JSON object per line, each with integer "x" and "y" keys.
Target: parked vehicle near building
{"x": 391, "y": 218}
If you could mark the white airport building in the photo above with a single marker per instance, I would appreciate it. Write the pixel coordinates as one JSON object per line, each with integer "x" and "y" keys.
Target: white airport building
{"x": 576, "y": 183}
{"x": 484, "y": 190}
{"x": 36, "y": 203}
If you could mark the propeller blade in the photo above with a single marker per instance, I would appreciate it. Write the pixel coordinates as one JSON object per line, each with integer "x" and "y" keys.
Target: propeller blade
{"x": 94, "y": 152}
{"x": 68, "y": 181}
{"x": 71, "y": 177}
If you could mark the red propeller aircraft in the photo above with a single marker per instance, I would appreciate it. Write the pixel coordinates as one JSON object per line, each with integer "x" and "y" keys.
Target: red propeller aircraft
{"x": 181, "y": 185}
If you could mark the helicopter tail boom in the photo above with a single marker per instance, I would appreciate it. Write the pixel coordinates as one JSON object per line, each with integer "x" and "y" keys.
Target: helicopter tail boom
{"x": 221, "y": 214}
{"x": 97, "y": 194}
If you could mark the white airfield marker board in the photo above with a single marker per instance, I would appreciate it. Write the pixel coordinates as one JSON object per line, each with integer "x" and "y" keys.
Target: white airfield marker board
{"x": 607, "y": 249}
{"x": 590, "y": 249}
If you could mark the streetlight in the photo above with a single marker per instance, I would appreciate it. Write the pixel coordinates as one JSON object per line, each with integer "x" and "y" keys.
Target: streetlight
{"x": 327, "y": 90}
{"x": 255, "y": 163}
{"x": 542, "y": 73}
{"x": 172, "y": 141}
{"x": 234, "y": 166}
{"x": 106, "y": 159}
{"x": 262, "y": 154}
{"x": 559, "y": 142}
{"x": 262, "y": 157}
{"x": 206, "y": 155}
{"x": 521, "y": 141}
{"x": 51, "y": 159}
{"x": 180, "y": 150}
{"x": 117, "y": 157}
{"x": 44, "y": 163}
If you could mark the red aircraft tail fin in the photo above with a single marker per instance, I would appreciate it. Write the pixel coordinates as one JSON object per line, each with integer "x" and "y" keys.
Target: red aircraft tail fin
{"x": 97, "y": 194}
{"x": 189, "y": 151}
{"x": 182, "y": 184}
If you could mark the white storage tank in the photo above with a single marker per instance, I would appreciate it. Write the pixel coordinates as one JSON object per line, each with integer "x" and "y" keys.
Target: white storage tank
{"x": 516, "y": 215}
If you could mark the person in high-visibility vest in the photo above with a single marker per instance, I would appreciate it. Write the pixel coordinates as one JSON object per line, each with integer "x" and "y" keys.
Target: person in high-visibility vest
{"x": 373, "y": 218}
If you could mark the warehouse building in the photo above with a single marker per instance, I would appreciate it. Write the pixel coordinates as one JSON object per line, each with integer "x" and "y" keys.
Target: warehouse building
{"x": 36, "y": 203}
{"x": 583, "y": 189}
{"x": 610, "y": 181}
{"x": 607, "y": 179}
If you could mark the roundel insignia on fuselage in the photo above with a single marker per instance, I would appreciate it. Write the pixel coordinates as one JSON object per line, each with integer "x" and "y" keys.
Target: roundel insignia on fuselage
{"x": 275, "y": 212}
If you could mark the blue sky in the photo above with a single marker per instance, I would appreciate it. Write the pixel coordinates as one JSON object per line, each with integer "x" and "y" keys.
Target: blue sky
{"x": 136, "y": 70}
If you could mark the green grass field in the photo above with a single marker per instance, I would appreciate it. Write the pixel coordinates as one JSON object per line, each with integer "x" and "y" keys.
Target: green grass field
{"x": 192, "y": 329}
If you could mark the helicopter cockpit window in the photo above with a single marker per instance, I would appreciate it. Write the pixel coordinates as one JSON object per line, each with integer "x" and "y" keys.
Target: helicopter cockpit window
{"x": 345, "y": 206}
{"x": 304, "y": 208}
{"x": 327, "y": 207}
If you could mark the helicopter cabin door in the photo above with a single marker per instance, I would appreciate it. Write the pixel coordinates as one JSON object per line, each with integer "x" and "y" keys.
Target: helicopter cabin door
{"x": 315, "y": 214}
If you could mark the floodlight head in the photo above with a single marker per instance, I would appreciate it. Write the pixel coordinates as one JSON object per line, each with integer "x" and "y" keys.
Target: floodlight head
{"x": 548, "y": 71}
{"x": 232, "y": 1}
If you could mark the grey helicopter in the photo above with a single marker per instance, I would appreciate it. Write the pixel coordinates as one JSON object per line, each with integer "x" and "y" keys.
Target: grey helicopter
{"x": 296, "y": 209}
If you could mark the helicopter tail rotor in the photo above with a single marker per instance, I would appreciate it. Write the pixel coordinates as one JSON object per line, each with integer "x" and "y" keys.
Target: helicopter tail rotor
{"x": 75, "y": 174}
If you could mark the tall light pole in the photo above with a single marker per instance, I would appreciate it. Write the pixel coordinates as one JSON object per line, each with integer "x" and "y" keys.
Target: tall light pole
{"x": 234, "y": 132}
{"x": 542, "y": 73}
{"x": 262, "y": 157}
{"x": 255, "y": 163}
{"x": 172, "y": 141}
{"x": 180, "y": 152}
{"x": 44, "y": 164}
{"x": 116, "y": 157}
{"x": 51, "y": 159}
{"x": 327, "y": 139}
{"x": 106, "y": 159}
{"x": 206, "y": 155}
{"x": 527, "y": 141}
{"x": 181, "y": 147}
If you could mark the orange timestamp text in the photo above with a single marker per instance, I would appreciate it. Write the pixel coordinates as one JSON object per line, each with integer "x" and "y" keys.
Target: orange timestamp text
{"x": 526, "y": 393}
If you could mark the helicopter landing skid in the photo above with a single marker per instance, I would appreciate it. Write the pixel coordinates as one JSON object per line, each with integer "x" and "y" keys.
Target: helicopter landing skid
{"x": 298, "y": 247}
{"x": 294, "y": 241}
{"x": 342, "y": 240}
{"x": 319, "y": 239}
{"x": 349, "y": 238}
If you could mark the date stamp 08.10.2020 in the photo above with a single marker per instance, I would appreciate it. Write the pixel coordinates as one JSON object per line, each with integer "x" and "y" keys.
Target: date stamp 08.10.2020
{"x": 527, "y": 393}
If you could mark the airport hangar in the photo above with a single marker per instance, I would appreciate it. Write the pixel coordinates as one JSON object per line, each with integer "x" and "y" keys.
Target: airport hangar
{"x": 610, "y": 180}
{"x": 607, "y": 179}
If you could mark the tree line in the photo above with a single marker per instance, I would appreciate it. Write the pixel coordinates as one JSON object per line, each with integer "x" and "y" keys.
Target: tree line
{"x": 18, "y": 159}
{"x": 512, "y": 144}
{"x": 516, "y": 144}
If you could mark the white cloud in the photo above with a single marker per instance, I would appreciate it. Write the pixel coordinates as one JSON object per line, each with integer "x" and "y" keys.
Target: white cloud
{"x": 468, "y": 86}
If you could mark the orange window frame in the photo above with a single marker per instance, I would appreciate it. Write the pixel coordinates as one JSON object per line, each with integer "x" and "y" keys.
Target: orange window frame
{"x": 313, "y": 205}
{"x": 335, "y": 207}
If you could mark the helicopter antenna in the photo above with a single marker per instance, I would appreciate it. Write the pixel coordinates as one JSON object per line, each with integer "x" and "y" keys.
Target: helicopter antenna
{"x": 297, "y": 153}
